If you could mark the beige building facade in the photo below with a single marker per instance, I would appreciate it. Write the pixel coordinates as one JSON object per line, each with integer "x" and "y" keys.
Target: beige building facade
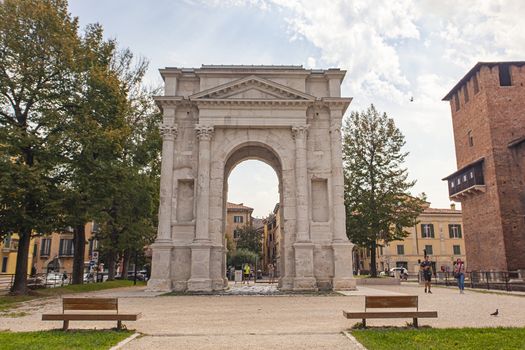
{"x": 439, "y": 233}
{"x": 237, "y": 216}
{"x": 215, "y": 117}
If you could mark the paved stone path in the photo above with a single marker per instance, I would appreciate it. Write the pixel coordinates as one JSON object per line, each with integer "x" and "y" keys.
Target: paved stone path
{"x": 273, "y": 322}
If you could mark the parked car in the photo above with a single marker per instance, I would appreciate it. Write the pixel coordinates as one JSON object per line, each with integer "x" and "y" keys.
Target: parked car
{"x": 403, "y": 272}
{"x": 56, "y": 279}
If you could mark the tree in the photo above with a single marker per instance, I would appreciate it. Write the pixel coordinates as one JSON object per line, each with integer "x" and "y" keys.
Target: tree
{"x": 249, "y": 239}
{"x": 38, "y": 54}
{"x": 377, "y": 198}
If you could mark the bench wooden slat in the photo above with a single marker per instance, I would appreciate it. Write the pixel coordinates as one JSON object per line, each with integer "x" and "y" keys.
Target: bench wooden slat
{"x": 391, "y": 314}
{"x": 90, "y": 317}
{"x": 395, "y": 301}
{"x": 90, "y": 304}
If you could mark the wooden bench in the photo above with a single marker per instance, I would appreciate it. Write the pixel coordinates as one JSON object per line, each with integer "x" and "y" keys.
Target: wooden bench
{"x": 91, "y": 304}
{"x": 387, "y": 302}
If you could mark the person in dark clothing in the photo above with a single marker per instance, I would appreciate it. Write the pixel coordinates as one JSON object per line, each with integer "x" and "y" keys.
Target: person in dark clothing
{"x": 426, "y": 267}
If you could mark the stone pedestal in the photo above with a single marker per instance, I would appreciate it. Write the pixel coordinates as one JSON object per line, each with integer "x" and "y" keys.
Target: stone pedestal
{"x": 343, "y": 277}
{"x": 160, "y": 280}
{"x": 304, "y": 268}
{"x": 200, "y": 280}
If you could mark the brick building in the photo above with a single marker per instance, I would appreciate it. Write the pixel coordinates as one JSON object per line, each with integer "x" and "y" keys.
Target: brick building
{"x": 488, "y": 117}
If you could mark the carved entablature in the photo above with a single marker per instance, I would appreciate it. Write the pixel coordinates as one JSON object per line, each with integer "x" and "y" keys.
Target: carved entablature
{"x": 204, "y": 132}
{"x": 168, "y": 131}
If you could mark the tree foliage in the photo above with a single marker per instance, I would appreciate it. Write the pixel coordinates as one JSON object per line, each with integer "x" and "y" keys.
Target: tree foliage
{"x": 249, "y": 238}
{"x": 38, "y": 52}
{"x": 78, "y": 138}
{"x": 377, "y": 191}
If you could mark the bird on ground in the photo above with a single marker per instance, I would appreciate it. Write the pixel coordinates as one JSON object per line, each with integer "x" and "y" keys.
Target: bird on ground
{"x": 412, "y": 99}
{"x": 495, "y": 313}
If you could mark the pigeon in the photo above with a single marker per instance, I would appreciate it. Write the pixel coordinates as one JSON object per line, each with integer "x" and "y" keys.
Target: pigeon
{"x": 412, "y": 99}
{"x": 495, "y": 313}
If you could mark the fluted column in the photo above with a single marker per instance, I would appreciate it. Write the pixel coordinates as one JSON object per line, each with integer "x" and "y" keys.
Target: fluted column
{"x": 299, "y": 133}
{"x": 169, "y": 134}
{"x": 204, "y": 134}
{"x": 339, "y": 216}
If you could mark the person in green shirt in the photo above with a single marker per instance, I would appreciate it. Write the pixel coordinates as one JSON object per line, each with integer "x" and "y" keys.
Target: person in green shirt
{"x": 246, "y": 273}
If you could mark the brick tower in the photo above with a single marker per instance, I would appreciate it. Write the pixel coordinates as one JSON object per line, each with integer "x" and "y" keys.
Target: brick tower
{"x": 488, "y": 117}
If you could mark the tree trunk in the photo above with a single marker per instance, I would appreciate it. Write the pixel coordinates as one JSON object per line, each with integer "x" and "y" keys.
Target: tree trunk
{"x": 111, "y": 256}
{"x": 125, "y": 263}
{"x": 373, "y": 269}
{"x": 79, "y": 245}
{"x": 20, "y": 284}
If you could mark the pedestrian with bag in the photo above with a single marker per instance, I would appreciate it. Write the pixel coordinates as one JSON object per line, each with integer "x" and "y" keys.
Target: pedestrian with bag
{"x": 426, "y": 267}
{"x": 459, "y": 274}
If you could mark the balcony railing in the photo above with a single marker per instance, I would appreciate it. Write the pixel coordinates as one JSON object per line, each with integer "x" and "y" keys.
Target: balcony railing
{"x": 466, "y": 181}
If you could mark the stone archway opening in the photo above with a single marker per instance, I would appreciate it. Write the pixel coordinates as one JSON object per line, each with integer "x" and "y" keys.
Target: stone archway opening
{"x": 247, "y": 162}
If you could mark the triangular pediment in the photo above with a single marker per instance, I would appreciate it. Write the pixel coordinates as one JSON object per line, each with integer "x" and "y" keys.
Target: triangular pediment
{"x": 252, "y": 88}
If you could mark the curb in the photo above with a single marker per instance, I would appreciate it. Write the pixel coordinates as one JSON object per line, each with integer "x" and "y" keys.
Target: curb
{"x": 125, "y": 341}
{"x": 354, "y": 341}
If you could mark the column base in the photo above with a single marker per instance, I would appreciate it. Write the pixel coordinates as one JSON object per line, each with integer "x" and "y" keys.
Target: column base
{"x": 199, "y": 285}
{"x": 345, "y": 283}
{"x": 159, "y": 285}
{"x": 304, "y": 284}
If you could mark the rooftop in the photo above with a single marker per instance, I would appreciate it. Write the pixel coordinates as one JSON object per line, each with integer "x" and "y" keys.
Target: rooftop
{"x": 239, "y": 206}
{"x": 473, "y": 71}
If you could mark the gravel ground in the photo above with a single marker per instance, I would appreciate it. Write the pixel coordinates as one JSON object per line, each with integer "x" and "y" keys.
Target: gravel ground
{"x": 284, "y": 322}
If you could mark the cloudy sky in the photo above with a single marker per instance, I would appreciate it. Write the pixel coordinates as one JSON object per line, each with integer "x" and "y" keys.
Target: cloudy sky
{"x": 392, "y": 50}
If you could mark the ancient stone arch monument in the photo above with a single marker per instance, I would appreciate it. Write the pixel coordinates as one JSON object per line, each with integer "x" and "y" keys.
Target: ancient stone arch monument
{"x": 215, "y": 117}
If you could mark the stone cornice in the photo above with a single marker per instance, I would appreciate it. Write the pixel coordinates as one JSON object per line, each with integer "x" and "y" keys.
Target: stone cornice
{"x": 341, "y": 103}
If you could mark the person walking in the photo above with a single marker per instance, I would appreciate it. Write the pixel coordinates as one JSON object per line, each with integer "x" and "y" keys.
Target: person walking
{"x": 247, "y": 271}
{"x": 271, "y": 272}
{"x": 459, "y": 273}
{"x": 426, "y": 267}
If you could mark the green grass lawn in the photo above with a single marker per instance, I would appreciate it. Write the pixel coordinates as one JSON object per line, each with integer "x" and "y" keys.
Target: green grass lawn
{"x": 7, "y": 301}
{"x": 433, "y": 339}
{"x": 44, "y": 340}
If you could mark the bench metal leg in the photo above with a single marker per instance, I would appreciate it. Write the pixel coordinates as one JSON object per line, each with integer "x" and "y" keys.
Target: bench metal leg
{"x": 66, "y": 325}
{"x": 364, "y": 322}
{"x": 119, "y": 325}
{"x": 415, "y": 322}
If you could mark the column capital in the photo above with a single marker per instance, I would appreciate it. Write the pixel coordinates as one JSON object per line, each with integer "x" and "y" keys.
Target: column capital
{"x": 168, "y": 131}
{"x": 300, "y": 130}
{"x": 204, "y": 132}
{"x": 335, "y": 125}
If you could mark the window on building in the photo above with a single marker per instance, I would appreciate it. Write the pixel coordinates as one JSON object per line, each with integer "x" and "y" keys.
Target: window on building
{"x": 428, "y": 249}
{"x": 454, "y": 231}
{"x": 456, "y": 101}
{"x": 475, "y": 83}
{"x": 470, "y": 138}
{"x": 35, "y": 250}
{"x": 465, "y": 93}
{"x": 504, "y": 75}
{"x": 237, "y": 219}
{"x": 66, "y": 247}
{"x": 400, "y": 249}
{"x": 4, "y": 264}
{"x": 7, "y": 242}
{"x": 457, "y": 249}
{"x": 427, "y": 230}
{"x": 45, "y": 246}
{"x": 236, "y": 234}
{"x": 381, "y": 250}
